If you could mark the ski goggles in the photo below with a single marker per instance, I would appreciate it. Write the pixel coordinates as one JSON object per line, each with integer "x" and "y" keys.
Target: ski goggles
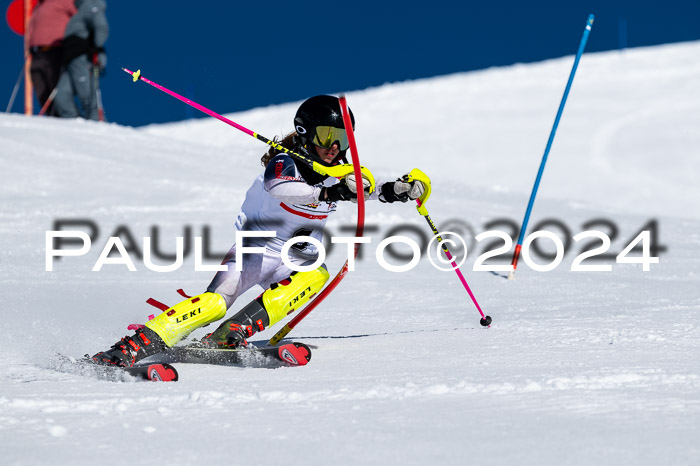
{"x": 326, "y": 136}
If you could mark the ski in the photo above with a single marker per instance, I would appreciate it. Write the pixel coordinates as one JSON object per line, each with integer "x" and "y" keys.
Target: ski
{"x": 156, "y": 372}
{"x": 289, "y": 354}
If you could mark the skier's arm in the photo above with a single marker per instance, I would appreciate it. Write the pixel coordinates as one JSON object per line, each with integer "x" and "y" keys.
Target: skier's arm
{"x": 97, "y": 22}
{"x": 401, "y": 190}
{"x": 283, "y": 183}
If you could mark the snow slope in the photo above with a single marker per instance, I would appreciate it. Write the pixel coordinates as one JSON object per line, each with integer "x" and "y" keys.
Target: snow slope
{"x": 577, "y": 368}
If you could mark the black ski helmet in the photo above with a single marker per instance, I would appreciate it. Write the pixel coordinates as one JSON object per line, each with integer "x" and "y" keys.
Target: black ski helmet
{"x": 319, "y": 111}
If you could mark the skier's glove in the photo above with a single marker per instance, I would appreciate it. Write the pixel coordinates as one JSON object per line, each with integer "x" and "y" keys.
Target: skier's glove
{"x": 350, "y": 181}
{"x": 401, "y": 190}
{"x": 337, "y": 192}
{"x": 99, "y": 58}
{"x": 102, "y": 60}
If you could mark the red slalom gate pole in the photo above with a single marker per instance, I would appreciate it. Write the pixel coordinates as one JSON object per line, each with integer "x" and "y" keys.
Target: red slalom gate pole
{"x": 359, "y": 230}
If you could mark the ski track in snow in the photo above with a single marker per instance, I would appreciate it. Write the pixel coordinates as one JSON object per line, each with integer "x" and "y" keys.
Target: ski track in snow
{"x": 577, "y": 368}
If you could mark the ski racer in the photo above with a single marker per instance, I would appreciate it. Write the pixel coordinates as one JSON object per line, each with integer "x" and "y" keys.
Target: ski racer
{"x": 289, "y": 198}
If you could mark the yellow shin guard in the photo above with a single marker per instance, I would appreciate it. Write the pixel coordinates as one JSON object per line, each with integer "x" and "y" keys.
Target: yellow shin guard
{"x": 287, "y": 296}
{"x": 177, "y": 322}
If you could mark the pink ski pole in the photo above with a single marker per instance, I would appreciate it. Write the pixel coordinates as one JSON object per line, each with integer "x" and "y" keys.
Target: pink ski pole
{"x": 417, "y": 175}
{"x": 317, "y": 167}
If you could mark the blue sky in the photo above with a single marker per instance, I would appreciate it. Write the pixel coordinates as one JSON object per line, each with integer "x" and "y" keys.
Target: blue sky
{"x": 232, "y": 56}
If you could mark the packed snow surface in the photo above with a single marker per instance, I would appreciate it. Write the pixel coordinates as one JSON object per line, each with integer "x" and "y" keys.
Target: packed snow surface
{"x": 577, "y": 367}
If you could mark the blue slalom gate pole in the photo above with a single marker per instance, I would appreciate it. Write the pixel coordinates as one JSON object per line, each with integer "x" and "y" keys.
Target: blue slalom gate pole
{"x": 523, "y": 228}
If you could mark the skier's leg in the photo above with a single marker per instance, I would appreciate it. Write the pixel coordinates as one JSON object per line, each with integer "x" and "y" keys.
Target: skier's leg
{"x": 177, "y": 322}
{"x": 63, "y": 103}
{"x": 180, "y": 320}
{"x": 281, "y": 299}
{"x": 165, "y": 330}
{"x": 232, "y": 283}
{"x": 40, "y": 73}
{"x": 45, "y": 71}
{"x": 81, "y": 72}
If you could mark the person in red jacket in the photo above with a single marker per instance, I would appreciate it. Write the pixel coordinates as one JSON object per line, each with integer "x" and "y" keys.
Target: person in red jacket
{"x": 47, "y": 27}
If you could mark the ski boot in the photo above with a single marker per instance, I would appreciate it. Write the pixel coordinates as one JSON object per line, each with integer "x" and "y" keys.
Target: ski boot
{"x": 130, "y": 349}
{"x": 165, "y": 331}
{"x": 232, "y": 333}
{"x": 280, "y": 300}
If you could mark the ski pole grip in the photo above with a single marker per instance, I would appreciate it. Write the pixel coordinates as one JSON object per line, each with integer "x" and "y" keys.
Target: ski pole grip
{"x": 340, "y": 171}
{"x": 417, "y": 175}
